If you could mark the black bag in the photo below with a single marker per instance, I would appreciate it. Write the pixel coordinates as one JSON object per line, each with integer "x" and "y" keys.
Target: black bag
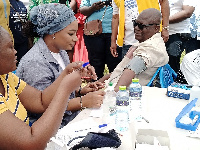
{"x": 97, "y": 140}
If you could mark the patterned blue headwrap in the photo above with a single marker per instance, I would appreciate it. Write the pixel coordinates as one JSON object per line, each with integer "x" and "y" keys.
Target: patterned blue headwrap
{"x": 51, "y": 18}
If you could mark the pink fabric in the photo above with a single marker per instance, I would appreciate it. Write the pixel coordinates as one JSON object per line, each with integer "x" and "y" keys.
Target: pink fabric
{"x": 80, "y": 51}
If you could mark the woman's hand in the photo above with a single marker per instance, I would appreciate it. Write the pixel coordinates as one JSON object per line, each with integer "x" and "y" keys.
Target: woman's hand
{"x": 93, "y": 99}
{"x": 87, "y": 71}
{"x": 88, "y": 10}
{"x": 96, "y": 6}
{"x": 73, "y": 66}
{"x": 91, "y": 87}
{"x": 90, "y": 72}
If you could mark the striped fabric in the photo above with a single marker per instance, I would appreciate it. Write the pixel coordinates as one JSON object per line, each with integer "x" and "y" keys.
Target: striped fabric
{"x": 13, "y": 87}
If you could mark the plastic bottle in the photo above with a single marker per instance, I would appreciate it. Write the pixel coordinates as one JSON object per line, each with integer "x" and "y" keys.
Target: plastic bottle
{"x": 135, "y": 95}
{"x": 110, "y": 93}
{"x": 195, "y": 93}
{"x": 122, "y": 109}
{"x": 111, "y": 99}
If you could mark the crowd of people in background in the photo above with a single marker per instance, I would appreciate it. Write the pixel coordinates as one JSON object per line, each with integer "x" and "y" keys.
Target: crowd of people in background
{"x": 179, "y": 28}
{"x": 138, "y": 37}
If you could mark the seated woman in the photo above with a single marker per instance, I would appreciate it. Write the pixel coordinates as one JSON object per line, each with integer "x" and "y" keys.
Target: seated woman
{"x": 46, "y": 61}
{"x": 17, "y": 97}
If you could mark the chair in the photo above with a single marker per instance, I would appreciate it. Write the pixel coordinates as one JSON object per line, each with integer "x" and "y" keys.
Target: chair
{"x": 165, "y": 75}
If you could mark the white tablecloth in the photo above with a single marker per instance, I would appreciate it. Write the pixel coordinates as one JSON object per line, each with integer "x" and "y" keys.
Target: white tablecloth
{"x": 161, "y": 112}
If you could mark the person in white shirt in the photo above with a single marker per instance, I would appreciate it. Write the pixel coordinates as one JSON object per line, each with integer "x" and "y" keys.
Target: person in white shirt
{"x": 179, "y": 31}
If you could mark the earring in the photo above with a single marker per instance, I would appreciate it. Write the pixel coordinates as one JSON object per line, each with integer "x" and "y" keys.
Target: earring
{"x": 54, "y": 36}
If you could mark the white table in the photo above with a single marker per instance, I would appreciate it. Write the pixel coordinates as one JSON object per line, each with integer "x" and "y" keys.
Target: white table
{"x": 161, "y": 112}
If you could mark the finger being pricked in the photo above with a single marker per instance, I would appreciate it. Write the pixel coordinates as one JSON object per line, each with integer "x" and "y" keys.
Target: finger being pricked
{"x": 73, "y": 66}
{"x": 100, "y": 92}
{"x": 93, "y": 86}
{"x": 99, "y": 85}
{"x": 77, "y": 65}
{"x": 91, "y": 72}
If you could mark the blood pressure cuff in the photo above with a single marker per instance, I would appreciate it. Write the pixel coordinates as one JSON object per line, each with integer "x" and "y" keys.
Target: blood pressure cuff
{"x": 137, "y": 64}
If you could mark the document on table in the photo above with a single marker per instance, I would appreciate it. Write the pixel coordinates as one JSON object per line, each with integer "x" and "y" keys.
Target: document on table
{"x": 97, "y": 113}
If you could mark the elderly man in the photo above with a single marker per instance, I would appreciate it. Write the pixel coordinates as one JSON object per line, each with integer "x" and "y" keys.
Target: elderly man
{"x": 142, "y": 60}
{"x": 124, "y": 11}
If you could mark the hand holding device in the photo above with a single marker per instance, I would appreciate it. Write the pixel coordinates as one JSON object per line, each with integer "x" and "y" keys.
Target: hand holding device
{"x": 107, "y": 2}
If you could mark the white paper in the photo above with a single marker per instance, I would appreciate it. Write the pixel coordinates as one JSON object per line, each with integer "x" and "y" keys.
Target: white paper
{"x": 194, "y": 134}
{"x": 97, "y": 113}
{"x": 76, "y": 129}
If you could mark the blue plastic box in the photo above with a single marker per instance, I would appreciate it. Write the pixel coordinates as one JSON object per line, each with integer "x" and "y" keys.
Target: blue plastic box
{"x": 192, "y": 114}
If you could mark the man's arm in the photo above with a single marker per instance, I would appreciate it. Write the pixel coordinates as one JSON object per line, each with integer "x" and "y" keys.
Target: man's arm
{"x": 105, "y": 77}
{"x": 125, "y": 79}
{"x": 115, "y": 24}
{"x": 182, "y": 15}
{"x": 165, "y": 18}
{"x": 135, "y": 66}
{"x": 127, "y": 75}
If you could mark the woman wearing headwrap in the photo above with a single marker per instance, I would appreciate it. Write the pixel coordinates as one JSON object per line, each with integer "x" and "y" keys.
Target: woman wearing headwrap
{"x": 47, "y": 59}
{"x": 17, "y": 97}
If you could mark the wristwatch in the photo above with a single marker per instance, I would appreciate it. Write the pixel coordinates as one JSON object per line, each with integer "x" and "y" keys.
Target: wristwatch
{"x": 166, "y": 28}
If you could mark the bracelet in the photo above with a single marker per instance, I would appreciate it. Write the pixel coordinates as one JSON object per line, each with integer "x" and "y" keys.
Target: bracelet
{"x": 166, "y": 28}
{"x": 79, "y": 91}
{"x": 81, "y": 102}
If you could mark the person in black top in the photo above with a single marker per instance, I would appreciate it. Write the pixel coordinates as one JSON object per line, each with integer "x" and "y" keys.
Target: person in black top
{"x": 18, "y": 14}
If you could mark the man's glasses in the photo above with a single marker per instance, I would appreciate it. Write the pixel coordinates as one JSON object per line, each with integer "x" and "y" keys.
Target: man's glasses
{"x": 142, "y": 26}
